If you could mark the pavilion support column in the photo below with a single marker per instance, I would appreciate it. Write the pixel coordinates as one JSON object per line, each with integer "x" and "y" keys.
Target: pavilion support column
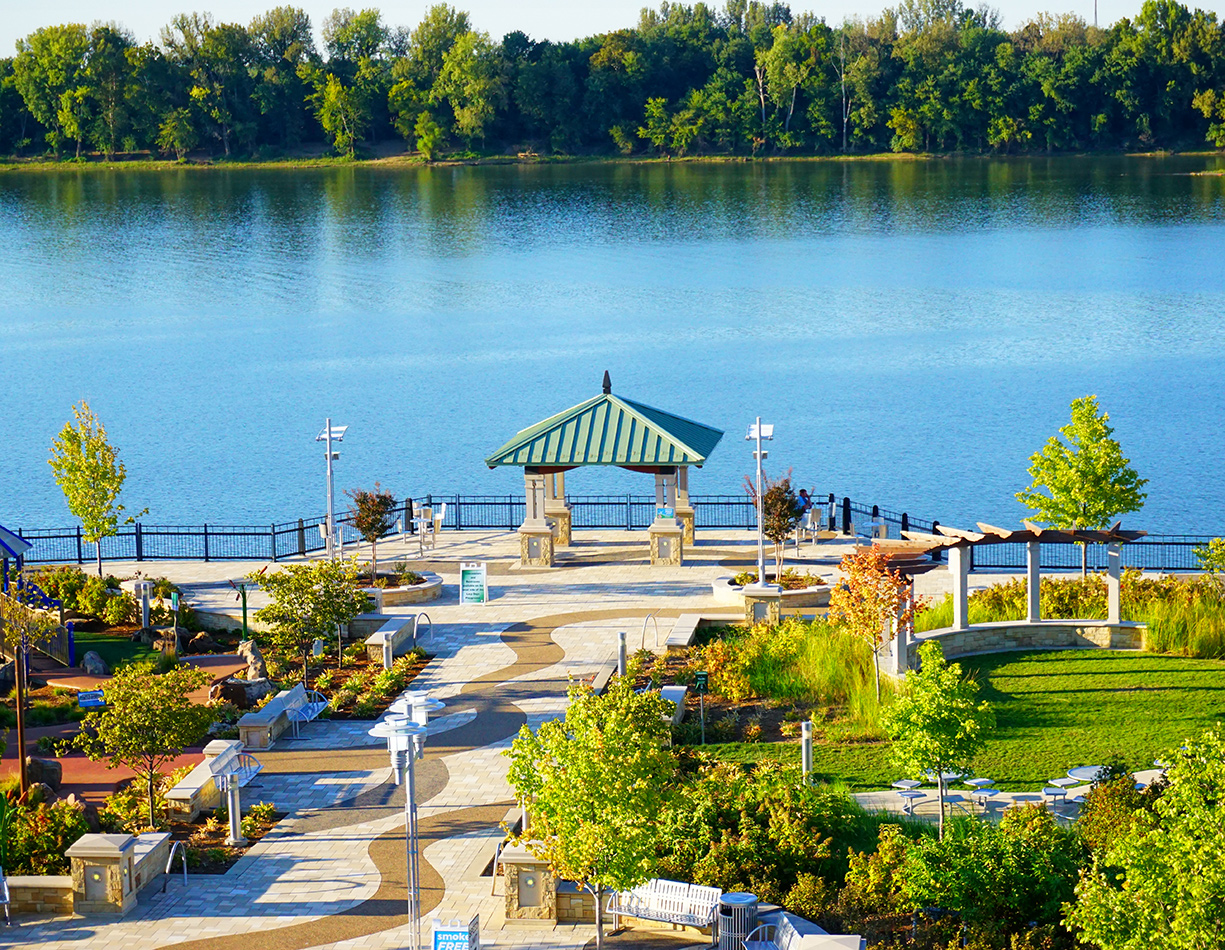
{"x": 1033, "y": 580}
{"x": 959, "y": 568}
{"x": 684, "y": 510}
{"x": 556, "y": 509}
{"x": 1114, "y": 569}
{"x": 666, "y": 535}
{"x": 536, "y": 533}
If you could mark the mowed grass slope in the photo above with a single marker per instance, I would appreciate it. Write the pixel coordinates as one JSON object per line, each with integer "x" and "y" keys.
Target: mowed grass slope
{"x": 1054, "y": 711}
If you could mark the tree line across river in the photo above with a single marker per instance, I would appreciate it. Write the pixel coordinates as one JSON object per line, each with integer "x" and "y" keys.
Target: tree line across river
{"x": 750, "y": 79}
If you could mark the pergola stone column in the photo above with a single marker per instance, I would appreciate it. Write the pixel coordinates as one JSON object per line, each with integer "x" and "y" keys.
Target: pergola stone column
{"x": 1033, "y": 581}
{"x": 556, "y": 509}
{"x": 1114, "y": 565}
{"x": 959, "y": 568}
{"x": 665, "y": 533}
{"x": 684, "y": 510}
{"x": 535, "y": 534}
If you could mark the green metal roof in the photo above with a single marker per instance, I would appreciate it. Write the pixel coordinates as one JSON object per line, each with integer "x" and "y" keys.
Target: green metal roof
{"x": 609, "y": 430}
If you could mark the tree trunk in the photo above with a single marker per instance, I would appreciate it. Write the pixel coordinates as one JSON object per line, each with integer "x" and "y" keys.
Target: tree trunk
{"x": 599, "y": 917}
{"x": 305, "y": 654}
{"x": 99, "y": 557}
{"x": 940, "y": 788}
{"x": 876, "y": 671}
{"x": 779, "y": 551}
{"x": 19, "y": 662}
{"x": 1084, "y": 560}
{"x": 374, "y": 563}
{"x": 152, "y": 779}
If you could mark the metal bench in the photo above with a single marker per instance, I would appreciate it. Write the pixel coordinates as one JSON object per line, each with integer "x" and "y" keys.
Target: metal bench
{"x": 303, "y": 705}
{"x": 777, "y": 936}
{"x": 245, "y": 766}
{"x": 671, "y": 902}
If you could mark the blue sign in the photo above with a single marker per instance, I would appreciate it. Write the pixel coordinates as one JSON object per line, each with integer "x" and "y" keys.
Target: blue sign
{"x": 455, "y": 936}
{"x": 91, "y": 699}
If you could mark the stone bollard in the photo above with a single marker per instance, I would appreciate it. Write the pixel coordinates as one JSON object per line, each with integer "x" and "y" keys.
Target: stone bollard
{"x": 806, "y": 748}
{"x": 622, "y": 658}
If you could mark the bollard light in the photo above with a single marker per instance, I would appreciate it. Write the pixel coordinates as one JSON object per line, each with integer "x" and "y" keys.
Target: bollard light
{"x": 806, "y": 748}
{"x": 622, "y": 659}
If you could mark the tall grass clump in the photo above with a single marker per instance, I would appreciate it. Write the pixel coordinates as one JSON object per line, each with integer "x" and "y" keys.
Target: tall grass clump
{"x": 1192, "y": 627}
{"x": 805, "y": 662}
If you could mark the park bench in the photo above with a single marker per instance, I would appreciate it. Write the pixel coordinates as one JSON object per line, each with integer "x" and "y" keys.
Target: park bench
{"x": 671, "y": 902}
{"x": 304, "y": 705}
{"x": 781, "y": 933}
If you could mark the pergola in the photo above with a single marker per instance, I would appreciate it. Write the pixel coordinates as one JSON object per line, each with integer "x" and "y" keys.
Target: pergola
{"x": 12, "y": 546}
{"x": 958, "y": 542}
{"x": 607, "y": 430}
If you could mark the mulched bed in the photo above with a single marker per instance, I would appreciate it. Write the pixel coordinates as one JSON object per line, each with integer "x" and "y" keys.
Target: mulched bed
{"x": 351, "y": 668}
{"x": 205, "y": 842}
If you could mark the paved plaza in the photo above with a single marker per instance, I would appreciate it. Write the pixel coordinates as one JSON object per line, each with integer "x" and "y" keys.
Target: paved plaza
{"x": 332, "y": 874}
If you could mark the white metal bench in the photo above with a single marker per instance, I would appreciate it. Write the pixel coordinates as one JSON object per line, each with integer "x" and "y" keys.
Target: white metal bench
{"x": 672, "y": 902}
{"x": 777, "y": 936}
{"x": 303, "y": 705}
{"x": 245, "y": 766}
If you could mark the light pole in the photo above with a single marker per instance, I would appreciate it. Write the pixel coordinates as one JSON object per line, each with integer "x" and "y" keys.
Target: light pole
{"x": 406, "y": 743}
{"x": 759, "y": 432}
{"x": 329, "y": 434}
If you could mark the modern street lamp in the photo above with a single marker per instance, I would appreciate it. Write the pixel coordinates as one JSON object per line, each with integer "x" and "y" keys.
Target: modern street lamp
{"x": 758, "y": 433}
{"x": 406, "y": 743}
{"x": 329, "y": 434}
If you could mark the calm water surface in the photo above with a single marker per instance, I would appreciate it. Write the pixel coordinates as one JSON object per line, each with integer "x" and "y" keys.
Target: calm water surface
{"x": 914, "y": 330}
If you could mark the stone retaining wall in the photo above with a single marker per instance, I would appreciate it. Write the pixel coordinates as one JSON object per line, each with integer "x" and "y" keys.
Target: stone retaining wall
{"x": 50, "y": 894}
{"x": 574, "y": 904}
{"x": 1044, "y": 635}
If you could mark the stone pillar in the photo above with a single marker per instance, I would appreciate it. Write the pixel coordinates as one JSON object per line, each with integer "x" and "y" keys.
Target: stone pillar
{"x": 1114, "y": 569}
{"x": 1033, "y": 580}
{"x": 535, "y": 534}
{"x": 959, "y": 568}
{"x": 901, "y": 648}
{"x": 684, "y": 510}
{"x": 665, "y": 533}
{"x": 763, "y": 604}
{"x": 102, "y": 873}
{"x": 556, "y": 509}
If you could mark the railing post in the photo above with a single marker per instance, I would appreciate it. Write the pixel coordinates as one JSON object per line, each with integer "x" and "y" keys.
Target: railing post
{"x": 629, "y": 513}
{"x": 80, "y": 559}
{"x": 846, "y": 515}
{"x": 875, "y": 512}
{"x": 459, "y": 522}
{"x": 833, "y": 503}
{"x": 905, "y": 521}
{"x": 936, "y": 552}
{"x": 72, "y": 644}
{"x": 140, "y": 543}
{"x": 272, "y": 539}
{"x": 206, "y": 542}
{"x": 301, "y": 538}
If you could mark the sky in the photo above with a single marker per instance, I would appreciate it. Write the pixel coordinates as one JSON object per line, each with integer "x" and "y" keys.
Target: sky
{"x": 540, "y": 19}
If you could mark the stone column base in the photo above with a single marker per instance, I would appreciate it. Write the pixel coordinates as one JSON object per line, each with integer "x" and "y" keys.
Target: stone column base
{"x": 667, "y": 544}
{"x": 685, "y": 517}
{"x": 536, "y": 546}
{"x": 763, "y": 604}
{"x": 561, "y": 515}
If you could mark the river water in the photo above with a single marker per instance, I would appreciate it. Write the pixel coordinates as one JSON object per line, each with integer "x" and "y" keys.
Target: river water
{"x": 915, "y": 330}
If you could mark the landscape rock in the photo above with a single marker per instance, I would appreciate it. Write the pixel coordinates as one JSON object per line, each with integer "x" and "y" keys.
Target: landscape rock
{"x": 40, "y": 792}
{"x": 256, "y": 668}
{"x": 47, "y": 771}
{"x": 94, "y": 665}
{"x": 147, "y": 635}
{"x": 202, "y": 643}
{"x": 89, "y": 811}
{"x": 8, "y": 677}
{"x": 242, "y": 693}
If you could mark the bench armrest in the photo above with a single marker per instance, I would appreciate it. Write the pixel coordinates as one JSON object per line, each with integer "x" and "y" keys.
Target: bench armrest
{"x": 762, "y": 932}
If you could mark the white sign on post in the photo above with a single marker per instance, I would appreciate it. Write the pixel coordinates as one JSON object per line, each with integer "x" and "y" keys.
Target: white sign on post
{"x": 453, "y": 935}
{"x": 474, "y": 582}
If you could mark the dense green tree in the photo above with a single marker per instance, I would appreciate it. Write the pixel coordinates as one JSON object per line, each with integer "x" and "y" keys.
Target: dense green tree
{"x": 218, "y": 57}
{"x": 49, "y": 72}
{"x": 282, "y": 42}
{"x": 471, "y": 82}
{"x": 109, "y": 75}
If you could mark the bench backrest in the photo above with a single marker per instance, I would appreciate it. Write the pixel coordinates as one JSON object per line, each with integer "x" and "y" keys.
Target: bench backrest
{"x": 786, "y": 937}
{"x": 295, "y": 698}
{"x": 702, "y": 900}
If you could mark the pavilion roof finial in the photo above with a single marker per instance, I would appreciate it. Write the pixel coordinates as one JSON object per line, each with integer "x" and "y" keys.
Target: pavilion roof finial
{"x": 607, "y": 383}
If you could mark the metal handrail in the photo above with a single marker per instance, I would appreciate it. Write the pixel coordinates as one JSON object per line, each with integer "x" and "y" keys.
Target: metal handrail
{"x": 493, "y": 886}
{"x": 170, "y": 860}
{"x": 650, "y": 617}
{"x": 417, "y": 618}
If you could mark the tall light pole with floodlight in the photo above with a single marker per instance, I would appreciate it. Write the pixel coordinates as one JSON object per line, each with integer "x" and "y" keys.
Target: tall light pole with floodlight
{"x": 329, "y": 435}
{"x": 759, "y": 432}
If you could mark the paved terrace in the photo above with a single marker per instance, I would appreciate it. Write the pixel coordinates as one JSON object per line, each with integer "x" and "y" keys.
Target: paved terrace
{"x": 332, "y": 873}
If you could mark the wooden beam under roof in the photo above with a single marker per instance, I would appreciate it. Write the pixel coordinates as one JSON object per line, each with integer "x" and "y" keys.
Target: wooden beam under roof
{"x": 992, "y": 529}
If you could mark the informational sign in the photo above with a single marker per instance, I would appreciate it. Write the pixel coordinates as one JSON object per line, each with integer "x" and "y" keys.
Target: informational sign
{"x": 701, "y": 682}
{"x": 473, "y": 582}
{"x": 665, "y": 514}
{"x": 91, "y": 699}
{"x": 453, "y": 935}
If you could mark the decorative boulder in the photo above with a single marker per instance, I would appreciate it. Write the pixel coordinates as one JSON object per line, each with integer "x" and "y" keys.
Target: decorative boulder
{"x": 47, "y": 771}
{"x": 256, "y": 668}
{"x": 202, "y": 643}
{"x": 146, "y": 635}
{"x": 8, "y": 677}
{"x": 94, "y": 665}
{"x": 242, "y": 693}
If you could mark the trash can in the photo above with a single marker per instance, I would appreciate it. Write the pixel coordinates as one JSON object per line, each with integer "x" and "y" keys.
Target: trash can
{"x": 737, "y": 919}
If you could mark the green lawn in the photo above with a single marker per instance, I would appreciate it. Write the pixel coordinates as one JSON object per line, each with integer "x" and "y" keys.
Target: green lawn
{"x": 112, "y": 648}
{"x": 1054, "y": 711}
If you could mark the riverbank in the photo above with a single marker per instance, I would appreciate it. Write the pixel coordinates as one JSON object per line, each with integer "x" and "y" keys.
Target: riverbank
{"x": 145, "y": 162}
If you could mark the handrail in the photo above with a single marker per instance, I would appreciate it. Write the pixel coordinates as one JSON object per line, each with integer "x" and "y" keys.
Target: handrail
{"x": 650, "y": 617}
{"x": 417, "y": 618}
{"x": 493, "y": 886}
{"x": 170, "y": 860}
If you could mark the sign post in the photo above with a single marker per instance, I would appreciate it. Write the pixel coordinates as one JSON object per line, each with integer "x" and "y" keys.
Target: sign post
{"x": 474, "y": 582}
{"x": 701, "y": 683}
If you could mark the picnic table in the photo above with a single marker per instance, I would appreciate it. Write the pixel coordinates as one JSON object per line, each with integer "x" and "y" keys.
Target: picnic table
{"x": 1086, "y": 773}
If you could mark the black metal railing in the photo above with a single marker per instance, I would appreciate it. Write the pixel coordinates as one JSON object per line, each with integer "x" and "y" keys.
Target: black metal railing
{"x": 209, "y": 542}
